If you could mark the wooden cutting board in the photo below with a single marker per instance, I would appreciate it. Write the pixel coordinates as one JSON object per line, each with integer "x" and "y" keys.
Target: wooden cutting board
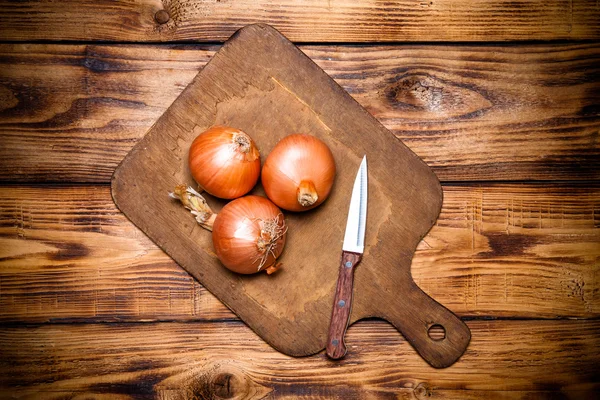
{"x": 261, "y": 83}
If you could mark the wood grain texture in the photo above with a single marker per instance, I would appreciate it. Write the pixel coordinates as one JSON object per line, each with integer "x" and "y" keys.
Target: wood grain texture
{"x": 472, "y": 109}
{"x": 540, "y": 359}
{"x": 308, "y": 21}
{"x": 79, "y": 258}
{"x": 80, "y": 105}
{"x": 521, "y": 251}
{"x": 71, "y": 113}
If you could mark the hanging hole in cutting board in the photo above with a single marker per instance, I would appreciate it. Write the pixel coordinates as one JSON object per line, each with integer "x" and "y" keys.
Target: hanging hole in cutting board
{"x": 436, "y": 332}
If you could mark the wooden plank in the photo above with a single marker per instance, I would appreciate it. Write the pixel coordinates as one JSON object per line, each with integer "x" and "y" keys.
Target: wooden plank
{"x": 206, "y": 360}
{"x": 72, "y": 112}
{"x": 310, "y": 21}
{"x": 526, "y": 251}
{"x": 421, "y": 393}
{"x": 84, "y": 105}
{"x": 68, "y": 253}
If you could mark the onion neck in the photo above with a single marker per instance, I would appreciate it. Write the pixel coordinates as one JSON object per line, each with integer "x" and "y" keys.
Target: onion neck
{"x": 307, "y": 193}
{"x": 193, "y": 201}
{"x": 209, "y": 222}
{"x": 242, "y": 141}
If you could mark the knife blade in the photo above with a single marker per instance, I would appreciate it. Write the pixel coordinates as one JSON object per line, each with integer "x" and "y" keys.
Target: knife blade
{"x": 352, "y": 251}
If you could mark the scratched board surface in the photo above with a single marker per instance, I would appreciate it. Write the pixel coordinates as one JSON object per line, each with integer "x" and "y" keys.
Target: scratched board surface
{"x": 261, "y": 83}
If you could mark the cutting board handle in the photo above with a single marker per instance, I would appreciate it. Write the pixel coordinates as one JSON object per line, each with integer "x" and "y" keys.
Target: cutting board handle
{"x": 438, "y": 335}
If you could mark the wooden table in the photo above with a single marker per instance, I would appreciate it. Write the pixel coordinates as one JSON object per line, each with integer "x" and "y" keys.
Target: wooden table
{"x": 500, "y": 98}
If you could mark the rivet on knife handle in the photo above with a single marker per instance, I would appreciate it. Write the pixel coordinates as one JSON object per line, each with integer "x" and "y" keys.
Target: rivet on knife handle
{"x": 342, "y": 305}
{"x": 352, "y": 251}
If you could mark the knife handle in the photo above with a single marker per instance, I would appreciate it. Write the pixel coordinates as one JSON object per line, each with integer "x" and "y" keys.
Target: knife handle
{"x": 342, "y": 304}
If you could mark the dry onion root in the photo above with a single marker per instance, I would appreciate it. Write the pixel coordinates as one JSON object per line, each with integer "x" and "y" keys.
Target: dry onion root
{"x": 248, "y": 234}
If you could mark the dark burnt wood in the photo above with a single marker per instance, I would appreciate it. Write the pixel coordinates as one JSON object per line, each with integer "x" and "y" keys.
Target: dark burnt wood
{"x": 341, "y": 21}
{"x": 70, "y": 113}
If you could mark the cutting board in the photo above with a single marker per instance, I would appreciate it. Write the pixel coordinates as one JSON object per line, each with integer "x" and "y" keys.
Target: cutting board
{"x": 261, "y": 83}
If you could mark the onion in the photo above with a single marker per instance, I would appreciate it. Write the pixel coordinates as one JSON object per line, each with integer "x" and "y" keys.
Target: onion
{"x": 248, "y": 234}
{"x": 298, "y": 173}
{"x": 225, "y": 162}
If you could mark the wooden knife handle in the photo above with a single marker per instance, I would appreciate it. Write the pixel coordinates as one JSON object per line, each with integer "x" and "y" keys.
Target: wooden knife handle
{"x": 342, "y": 304}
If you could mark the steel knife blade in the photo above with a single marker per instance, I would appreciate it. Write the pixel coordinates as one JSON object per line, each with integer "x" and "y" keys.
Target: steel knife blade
{"x": 352, "y": 251}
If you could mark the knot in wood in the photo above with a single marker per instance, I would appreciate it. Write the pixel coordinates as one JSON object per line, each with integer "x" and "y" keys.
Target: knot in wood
{"x": 162, "y": 17}
{"x": 229, "y": 384}
{"x": 222, "y": 385}
{"x": 422, "y": 391}
{"x": 417, "y": 91}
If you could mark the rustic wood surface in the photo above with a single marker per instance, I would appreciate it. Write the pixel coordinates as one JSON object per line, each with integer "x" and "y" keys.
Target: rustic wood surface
{"x": 71, "y": 256}
{"x": 81, "y": 108}
{"x": 506, "y": 359}
{"x": 308, "y": 21}
{"x": 91, "y": 308}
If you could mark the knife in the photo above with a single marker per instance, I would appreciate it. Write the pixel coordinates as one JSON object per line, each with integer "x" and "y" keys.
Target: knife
{"x": 352, "y": 251}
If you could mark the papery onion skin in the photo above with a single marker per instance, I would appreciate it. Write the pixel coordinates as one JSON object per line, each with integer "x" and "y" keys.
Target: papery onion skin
{"x": 298, "y": 173}
{"x": 225, "y": 162}
{"x": 249, "y": 234}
